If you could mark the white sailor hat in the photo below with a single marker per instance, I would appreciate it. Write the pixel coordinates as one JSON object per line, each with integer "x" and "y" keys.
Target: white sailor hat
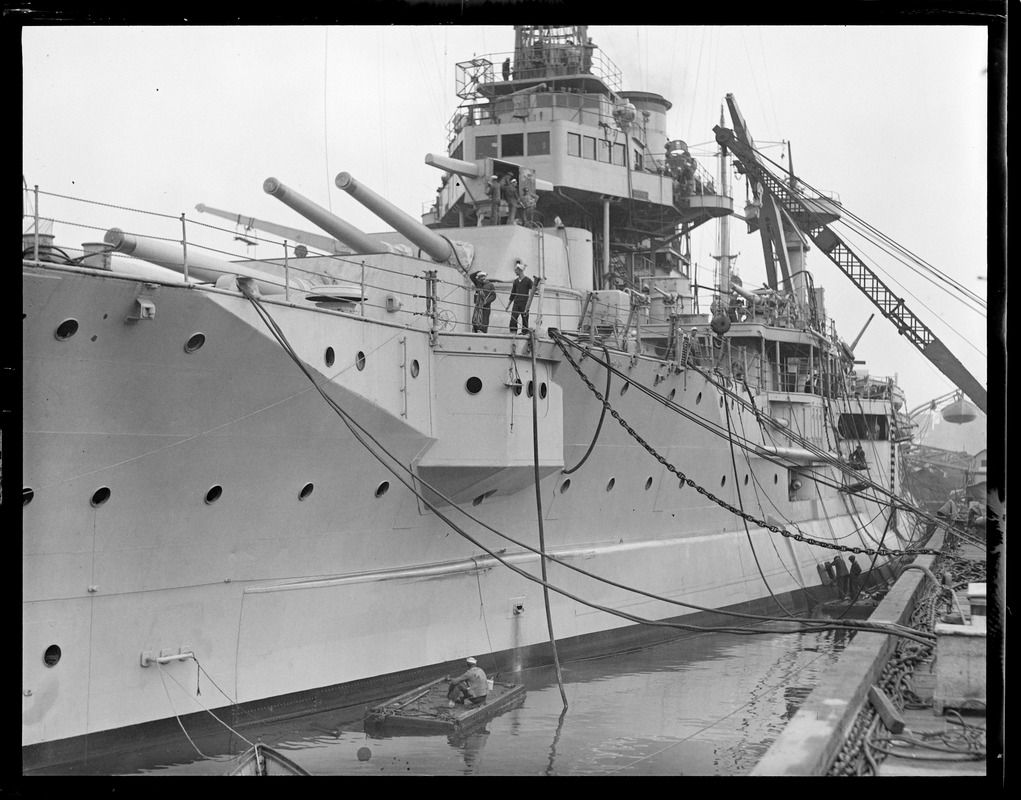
{"x": 471, "y": 660}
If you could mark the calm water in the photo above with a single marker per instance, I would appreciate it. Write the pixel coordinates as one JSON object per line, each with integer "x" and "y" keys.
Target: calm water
{"x": 707, "y": 705}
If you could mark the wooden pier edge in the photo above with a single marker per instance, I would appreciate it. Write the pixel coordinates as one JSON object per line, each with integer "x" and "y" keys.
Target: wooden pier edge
{"x": 812, "y": 739}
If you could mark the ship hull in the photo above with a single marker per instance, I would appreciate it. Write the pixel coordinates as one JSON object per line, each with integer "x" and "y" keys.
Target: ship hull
{"x": 213, "y": 528}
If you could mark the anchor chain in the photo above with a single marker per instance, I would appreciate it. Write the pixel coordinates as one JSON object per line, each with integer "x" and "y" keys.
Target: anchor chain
{"x": 882, "y": 551}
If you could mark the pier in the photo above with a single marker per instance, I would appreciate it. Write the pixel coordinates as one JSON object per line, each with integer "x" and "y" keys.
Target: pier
{"x": 932, "y": 722}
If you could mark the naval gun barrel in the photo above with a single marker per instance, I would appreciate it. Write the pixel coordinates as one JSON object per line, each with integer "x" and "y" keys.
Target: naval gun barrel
{"x": 332, "y": 224}
{"x": 438, "y": 248}
{"x": 751, "y": 297}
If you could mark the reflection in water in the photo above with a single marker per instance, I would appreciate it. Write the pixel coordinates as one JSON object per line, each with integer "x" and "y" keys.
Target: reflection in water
{"x": 699, "y": 705}
{"x": 471, "y": 747}
{"x": 556, "y": 738}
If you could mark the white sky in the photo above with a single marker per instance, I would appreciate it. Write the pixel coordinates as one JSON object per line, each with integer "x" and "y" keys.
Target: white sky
{"x": 893, "y": 119}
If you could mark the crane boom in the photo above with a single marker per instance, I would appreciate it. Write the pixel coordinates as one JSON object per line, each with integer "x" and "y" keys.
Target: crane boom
{"x": 890, "y": 306}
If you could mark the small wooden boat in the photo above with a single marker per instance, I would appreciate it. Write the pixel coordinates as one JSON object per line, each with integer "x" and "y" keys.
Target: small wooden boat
{"x": 426, "y": 709}
{"x": 262, "y": 760}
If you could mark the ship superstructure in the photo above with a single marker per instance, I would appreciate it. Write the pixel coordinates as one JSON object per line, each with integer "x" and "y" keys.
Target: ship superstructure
{"x": 307, "y": 481}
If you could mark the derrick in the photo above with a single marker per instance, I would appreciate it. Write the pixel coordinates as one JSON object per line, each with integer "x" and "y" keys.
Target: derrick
{"x": 812, "y": 223}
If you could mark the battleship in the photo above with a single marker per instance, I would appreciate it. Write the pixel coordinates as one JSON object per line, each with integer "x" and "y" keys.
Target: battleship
{"x": 263, "y": 487}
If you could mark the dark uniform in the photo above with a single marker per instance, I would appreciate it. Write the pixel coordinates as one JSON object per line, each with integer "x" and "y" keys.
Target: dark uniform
{"x": 521, "y": 293}
{"x": 842, "y": 575}
{"x": 485, "y": 294}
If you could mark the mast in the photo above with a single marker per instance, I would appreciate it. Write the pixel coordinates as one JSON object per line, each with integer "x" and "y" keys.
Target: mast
{"x": 724, "y": 225}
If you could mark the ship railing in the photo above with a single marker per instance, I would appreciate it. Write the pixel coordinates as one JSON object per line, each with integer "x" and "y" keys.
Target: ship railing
{"x": 388, "y": 293}
{"x": 476, "y": 77}
{"x": 699, "y": 182}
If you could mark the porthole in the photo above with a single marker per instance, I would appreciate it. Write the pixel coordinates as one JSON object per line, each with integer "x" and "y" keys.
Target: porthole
{"x": 26, "y": 496}
{"x": 330, "y": 357}
{"x": 214, "y": 494}
{"x": 93, "y": 338}
{"x": 51, "y": 656}
{"x": 565, "y": 486}
{"x": 648, "y": 484}
{"x": 360, "y": 360}
{"x": 66, "y": 329}
{"x": 698, "y": 399}
{"x": 473, "y": 385}
{"x": 625, "y": 387}
{"x": 517, "y": 387}
{"x": 100, "y": 496}
{"x": 105, "y": 316}
{"x": 672, "y": 395}
{"x": 306, "y": 491}
{"x": 723, "y": 481}
{"x": 482, "y": 497}
{"x": 194, "y": 343}
{"x": 542, "y": 391}
{"x": 531, "y": 388}
{"x": 414, "y": 368}
{"x": 609, "y": 484}
{"x": 383, "y": 488}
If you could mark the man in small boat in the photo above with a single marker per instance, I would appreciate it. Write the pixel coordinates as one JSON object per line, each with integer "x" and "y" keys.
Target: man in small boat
{"x": 470, "y": 686}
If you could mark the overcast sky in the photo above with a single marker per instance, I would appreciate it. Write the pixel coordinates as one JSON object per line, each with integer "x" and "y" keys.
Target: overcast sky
{"x": 893, "y": 119}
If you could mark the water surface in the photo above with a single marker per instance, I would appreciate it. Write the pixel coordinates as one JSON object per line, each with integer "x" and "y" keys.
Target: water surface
{"x": 703, "y": 705}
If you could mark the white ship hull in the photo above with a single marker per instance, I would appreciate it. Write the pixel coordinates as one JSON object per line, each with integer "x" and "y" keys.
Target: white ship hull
{"x": 275, "y": 595}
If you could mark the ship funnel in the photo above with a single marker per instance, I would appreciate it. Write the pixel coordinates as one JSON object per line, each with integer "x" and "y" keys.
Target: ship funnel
{"x": 332, "y": 224}
{"x": 438, "y": 248}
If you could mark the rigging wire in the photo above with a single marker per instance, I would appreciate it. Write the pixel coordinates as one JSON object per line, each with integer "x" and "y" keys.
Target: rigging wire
{"x": 916, "y": 264}
{"x": 747, "y": 444}
{"x": 740, "y": 503}
{"x": 357, "y": 432}
{"x": 326, "y": 114}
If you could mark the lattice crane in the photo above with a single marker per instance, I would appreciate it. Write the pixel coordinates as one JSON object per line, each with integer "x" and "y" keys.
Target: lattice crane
{"x": 811, "y": 221}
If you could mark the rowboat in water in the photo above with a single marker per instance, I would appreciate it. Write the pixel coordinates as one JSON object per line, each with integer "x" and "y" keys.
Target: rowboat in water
{"x": 426, "y": 709}
{"x": 263, "y": 760}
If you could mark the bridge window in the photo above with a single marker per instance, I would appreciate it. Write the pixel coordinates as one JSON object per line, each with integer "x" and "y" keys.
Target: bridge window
{"x": 485, "y": 147}
{"x": 512, "y": 144}
{"x": 574, "y": 144}
{"x": 619, "y": 155}
{"x": 604, "y": 151}
{"x": 458, "y": 151}
{"x": 589, "y": 150}
{"x": 538, "y": 144}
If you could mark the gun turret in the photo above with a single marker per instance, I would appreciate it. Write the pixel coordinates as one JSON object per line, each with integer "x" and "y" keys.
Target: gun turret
{"x": 438, "y": 248}
{"x": 332, "y": 224}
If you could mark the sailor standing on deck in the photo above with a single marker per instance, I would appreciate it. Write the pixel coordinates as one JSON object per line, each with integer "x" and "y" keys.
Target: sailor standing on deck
{"x": 855, "y": 577}
{"x": 840, "y": 568}
{"x": 520, "y": 297}
{"x": 493, "y": 190}
{"x": 485, "y": 294}
{"x": 509, "y": 190}
{"x": 471, "y": 686}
